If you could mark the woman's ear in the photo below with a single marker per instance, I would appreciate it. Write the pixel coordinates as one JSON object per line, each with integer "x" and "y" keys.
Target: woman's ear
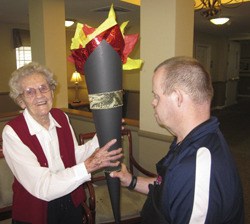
{"x": 21, "y": 103}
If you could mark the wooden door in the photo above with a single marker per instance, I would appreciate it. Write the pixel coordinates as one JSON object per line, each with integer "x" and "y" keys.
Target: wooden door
{"x": 203, "y": 55}
{"x": 233, "y": 64}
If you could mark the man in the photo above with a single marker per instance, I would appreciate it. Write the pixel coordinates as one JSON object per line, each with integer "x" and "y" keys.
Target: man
{"x": 197, "y": 180}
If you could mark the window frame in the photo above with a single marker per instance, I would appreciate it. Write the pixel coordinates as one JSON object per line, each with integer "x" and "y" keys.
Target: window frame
{"x": 23, "y": 56}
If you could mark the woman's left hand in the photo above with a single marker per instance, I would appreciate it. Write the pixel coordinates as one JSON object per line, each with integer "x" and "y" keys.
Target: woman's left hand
{"x": 103, "y": 158}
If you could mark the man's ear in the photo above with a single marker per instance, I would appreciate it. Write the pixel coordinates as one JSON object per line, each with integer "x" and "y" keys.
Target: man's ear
{"x": 178, "y": 97}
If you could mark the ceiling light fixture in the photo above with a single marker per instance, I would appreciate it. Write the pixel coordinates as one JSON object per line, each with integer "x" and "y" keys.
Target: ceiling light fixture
{"x": 211, "y": 9}
{"x": 69, "y": 23}
{"x": 219, "y": 20}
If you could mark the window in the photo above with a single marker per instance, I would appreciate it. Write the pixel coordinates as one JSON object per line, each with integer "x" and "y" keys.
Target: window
{"x": 23, "y": 56}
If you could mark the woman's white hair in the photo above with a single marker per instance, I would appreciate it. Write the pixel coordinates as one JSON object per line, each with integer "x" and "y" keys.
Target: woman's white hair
{"x": 27, "y": 70}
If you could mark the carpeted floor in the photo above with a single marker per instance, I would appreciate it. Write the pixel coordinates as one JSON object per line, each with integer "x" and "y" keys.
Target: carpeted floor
{"x": 235, "y": 125}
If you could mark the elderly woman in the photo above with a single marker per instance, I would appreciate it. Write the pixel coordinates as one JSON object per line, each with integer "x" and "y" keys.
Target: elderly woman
{"x": 42, "y": 151}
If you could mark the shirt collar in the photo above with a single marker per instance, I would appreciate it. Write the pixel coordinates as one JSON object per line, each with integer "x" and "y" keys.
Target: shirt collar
{"x": 34, "y": 127}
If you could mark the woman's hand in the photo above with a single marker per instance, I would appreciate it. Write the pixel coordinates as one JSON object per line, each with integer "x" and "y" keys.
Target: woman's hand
{"x": 103, "y": 158}
{"x": 123, "y": 124}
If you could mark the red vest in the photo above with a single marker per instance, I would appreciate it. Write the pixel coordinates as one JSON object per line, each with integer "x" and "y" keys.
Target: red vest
{"x": 26, "y": 207}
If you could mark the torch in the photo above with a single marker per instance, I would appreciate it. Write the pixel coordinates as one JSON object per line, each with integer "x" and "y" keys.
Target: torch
{"x": 101, "y": 54}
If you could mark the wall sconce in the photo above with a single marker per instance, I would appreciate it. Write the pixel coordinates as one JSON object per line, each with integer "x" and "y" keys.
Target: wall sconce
{"x": 76, "y": 78}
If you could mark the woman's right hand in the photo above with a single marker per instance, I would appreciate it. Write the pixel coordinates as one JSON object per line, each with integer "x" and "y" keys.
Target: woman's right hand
{"x": 103, "y": 158}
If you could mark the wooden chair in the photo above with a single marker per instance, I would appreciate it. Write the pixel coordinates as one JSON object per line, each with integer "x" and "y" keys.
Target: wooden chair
{"x": 6, "y": 180}
{"x": 131, "y": 201}
{"x": 87, "y": 205}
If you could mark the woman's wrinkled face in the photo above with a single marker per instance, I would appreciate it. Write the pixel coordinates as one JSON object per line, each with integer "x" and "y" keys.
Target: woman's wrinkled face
{"x": 37, "y": 96}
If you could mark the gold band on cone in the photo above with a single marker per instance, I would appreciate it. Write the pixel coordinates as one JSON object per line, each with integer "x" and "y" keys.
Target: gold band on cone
{"x": 106, "y": 100}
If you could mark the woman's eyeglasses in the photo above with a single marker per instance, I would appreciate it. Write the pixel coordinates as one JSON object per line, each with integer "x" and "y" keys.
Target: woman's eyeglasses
{"x": 31, "y": 92}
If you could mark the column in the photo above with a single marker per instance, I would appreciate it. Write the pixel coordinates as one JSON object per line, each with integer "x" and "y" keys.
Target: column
{"x": 48, "y": 42}
{"x": 166, "y": 31}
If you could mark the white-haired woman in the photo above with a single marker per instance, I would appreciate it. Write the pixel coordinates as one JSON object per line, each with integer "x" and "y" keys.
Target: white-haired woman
{"x": 42, "y": 151}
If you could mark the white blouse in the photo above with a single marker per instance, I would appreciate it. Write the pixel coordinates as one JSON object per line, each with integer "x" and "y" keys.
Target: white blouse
{"x": 54, "y": 181}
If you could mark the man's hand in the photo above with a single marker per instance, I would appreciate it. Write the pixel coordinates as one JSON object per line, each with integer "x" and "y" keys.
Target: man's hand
{"x": 124, "y": 176}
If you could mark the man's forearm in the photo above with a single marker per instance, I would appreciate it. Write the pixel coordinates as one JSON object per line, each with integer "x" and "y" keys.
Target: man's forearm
{"x": 142, "y": 184}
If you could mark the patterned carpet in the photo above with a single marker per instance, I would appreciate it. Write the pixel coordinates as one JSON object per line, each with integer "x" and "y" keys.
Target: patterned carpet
{"x": 235, "y": 125}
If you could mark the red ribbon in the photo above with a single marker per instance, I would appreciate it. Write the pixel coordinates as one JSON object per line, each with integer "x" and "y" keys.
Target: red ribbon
{"x": 112, "y": 36}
